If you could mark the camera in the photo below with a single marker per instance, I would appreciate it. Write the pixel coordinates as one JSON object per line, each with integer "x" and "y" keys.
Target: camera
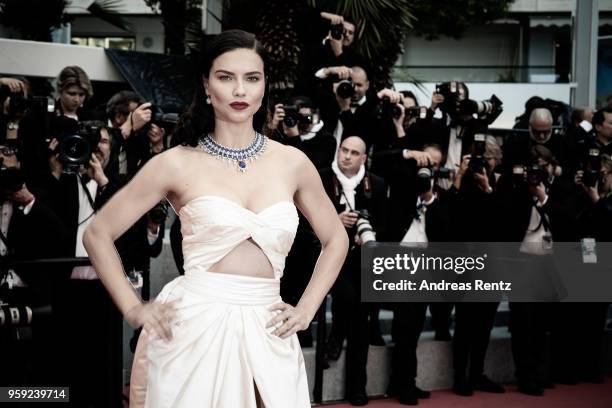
{"x": 386, "y": 110}
{"x": 77, "y": 141}
{"x": 591, "y": 167}
{"x": 346, "y": 87}
{"x": 450, "y": 91}
{"x": 158, "y": 214}
{"x": 293, "y": 117}
{"x": 364, "y": 229}
{"x": 19, "y": 105}
{"x": 427, "y": 174}
{"x": 536, "y": 174}
{"x": 11, "y": 179}
{"x": 164, "y": 120}
{"x": 419, "y": 112}
{"x": 336, "y": 31}
{"x": 18, "y": 102}
{"x": 488, "y": 109}
{"x": 477, "y": 160}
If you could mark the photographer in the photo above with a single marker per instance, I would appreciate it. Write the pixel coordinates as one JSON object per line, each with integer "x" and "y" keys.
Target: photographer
{"x": 413, "y": 124}
{"x": 127, "y": 114}
{"x": 29, "y": 230}
{"x": 337, "y": 48}
{"x": 419, "y": 216}
{"x": 541, "y": 132}
{"x": 538, "y": 208}
{"x": 349, "y": 107}
{"x": 360, "y": 198}
{"x": 462, "y": 119}
{"x": 92, "y": 324}
{"x": 579, "y": 355}
{"x": 74, "y": 89}
{"x": 13, "y": 91}
{"x": 475, "y": 211}
{"x": 298, "y": 124}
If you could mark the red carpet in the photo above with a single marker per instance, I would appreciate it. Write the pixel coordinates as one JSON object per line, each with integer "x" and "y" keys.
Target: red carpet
{"x": 562, "y": 396}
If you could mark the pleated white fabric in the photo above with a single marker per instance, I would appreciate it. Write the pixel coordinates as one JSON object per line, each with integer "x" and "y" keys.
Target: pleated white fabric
{"x": 221, "y": 350}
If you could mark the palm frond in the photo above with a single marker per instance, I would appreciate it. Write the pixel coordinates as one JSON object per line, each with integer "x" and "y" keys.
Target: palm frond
{"x": 110, "y": 11}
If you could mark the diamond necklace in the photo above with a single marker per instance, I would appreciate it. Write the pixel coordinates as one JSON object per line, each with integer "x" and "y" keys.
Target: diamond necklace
{"x": 240, "y": 156}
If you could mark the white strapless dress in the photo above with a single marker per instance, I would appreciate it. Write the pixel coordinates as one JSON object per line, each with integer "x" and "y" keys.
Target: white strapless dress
{"x": 221, "y": 349}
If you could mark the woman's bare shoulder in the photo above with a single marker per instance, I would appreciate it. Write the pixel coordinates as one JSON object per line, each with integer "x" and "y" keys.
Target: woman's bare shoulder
{"x": 174, "y": 158}
{"x": 289, "y": 155}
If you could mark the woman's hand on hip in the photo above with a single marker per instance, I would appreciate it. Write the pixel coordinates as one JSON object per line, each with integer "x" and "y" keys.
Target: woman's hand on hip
{"x": 289, "y": 321}
{"x": 155, "y": 317}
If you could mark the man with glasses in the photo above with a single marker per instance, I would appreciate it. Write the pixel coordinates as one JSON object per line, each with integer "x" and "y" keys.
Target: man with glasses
{"x": 541, "y": 133}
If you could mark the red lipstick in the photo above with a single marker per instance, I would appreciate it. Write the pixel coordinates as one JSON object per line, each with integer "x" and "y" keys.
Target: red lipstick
{"x": 239, "y": 105}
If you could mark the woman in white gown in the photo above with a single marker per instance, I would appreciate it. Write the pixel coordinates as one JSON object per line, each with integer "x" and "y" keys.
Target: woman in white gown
{"x": 220, "y": 336}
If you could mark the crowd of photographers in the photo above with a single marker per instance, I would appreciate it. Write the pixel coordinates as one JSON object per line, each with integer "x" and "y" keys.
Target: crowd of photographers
{"x": 396, "y": 171}
{"x": 59, "y": 163}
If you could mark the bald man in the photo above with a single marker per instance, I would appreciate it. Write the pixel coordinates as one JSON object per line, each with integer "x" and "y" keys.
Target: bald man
{"x": 353, "y": 190}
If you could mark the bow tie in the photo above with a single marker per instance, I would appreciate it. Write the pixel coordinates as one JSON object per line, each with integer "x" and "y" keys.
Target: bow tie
{"x": 355, "y": 104}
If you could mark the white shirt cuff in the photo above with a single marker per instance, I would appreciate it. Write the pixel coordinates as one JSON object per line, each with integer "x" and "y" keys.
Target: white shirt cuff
{"x": 28, "y": 208}
{"x": 321, "y": 73}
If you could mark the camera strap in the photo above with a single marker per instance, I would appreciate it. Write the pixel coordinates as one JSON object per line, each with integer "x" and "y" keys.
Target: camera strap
{"x": 543, "y": 218}
{"x": 83, "y": 181}
{"x": 367, "y": 187}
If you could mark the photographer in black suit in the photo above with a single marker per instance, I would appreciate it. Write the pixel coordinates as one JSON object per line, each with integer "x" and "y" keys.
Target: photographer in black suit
{"x": 475, "y": 211}
{"x": 350, "y": 107}
{"x": 337, "y": 46}
{"x": 538, "y": 208}
{"x": 29, "y": 230}
{"x": 360, "y": 198}
{"x": 299, "y": 124}
{"x": 91, "y": 320}
{"x": 420, "y": 215}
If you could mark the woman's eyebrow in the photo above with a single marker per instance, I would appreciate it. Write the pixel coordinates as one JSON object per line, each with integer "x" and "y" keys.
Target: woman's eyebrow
{"x": 222, "y": 71}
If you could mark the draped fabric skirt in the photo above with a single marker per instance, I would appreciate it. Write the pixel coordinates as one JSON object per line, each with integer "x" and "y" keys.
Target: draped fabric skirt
{"x": 220, "y": 350}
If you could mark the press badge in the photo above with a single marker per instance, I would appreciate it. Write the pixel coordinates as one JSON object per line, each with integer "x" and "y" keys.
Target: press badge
{"x": 589, "y": 253}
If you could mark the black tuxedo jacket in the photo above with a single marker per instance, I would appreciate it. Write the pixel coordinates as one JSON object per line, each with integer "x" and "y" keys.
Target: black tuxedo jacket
{"x": 38, "y": 235}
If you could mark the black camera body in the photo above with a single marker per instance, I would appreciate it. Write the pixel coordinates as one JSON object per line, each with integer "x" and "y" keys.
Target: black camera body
{"x": 385, "y": 110}
{"x": 477, "y": 160}
{"x": 11, "y": 180}
{"x": 536, "y": 174}
{"x": 346, "y": 87}
{"x": 76, "y": 142}
{"x": 336, "y": 31}
{"x": 488, "y": 109}
{"x": 419, "y": 112}
{"x": 591, "y": 167}
{"x": 161, "y": 119}
{"x": 293, "y": 117}
{"x": 427, "y": 174}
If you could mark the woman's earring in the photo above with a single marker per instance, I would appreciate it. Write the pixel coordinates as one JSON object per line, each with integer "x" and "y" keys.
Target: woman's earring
{"x": 207, "y": 99}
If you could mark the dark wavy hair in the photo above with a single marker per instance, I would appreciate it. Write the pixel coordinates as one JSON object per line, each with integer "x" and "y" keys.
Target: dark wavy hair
{"x": 199, "y": 119}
